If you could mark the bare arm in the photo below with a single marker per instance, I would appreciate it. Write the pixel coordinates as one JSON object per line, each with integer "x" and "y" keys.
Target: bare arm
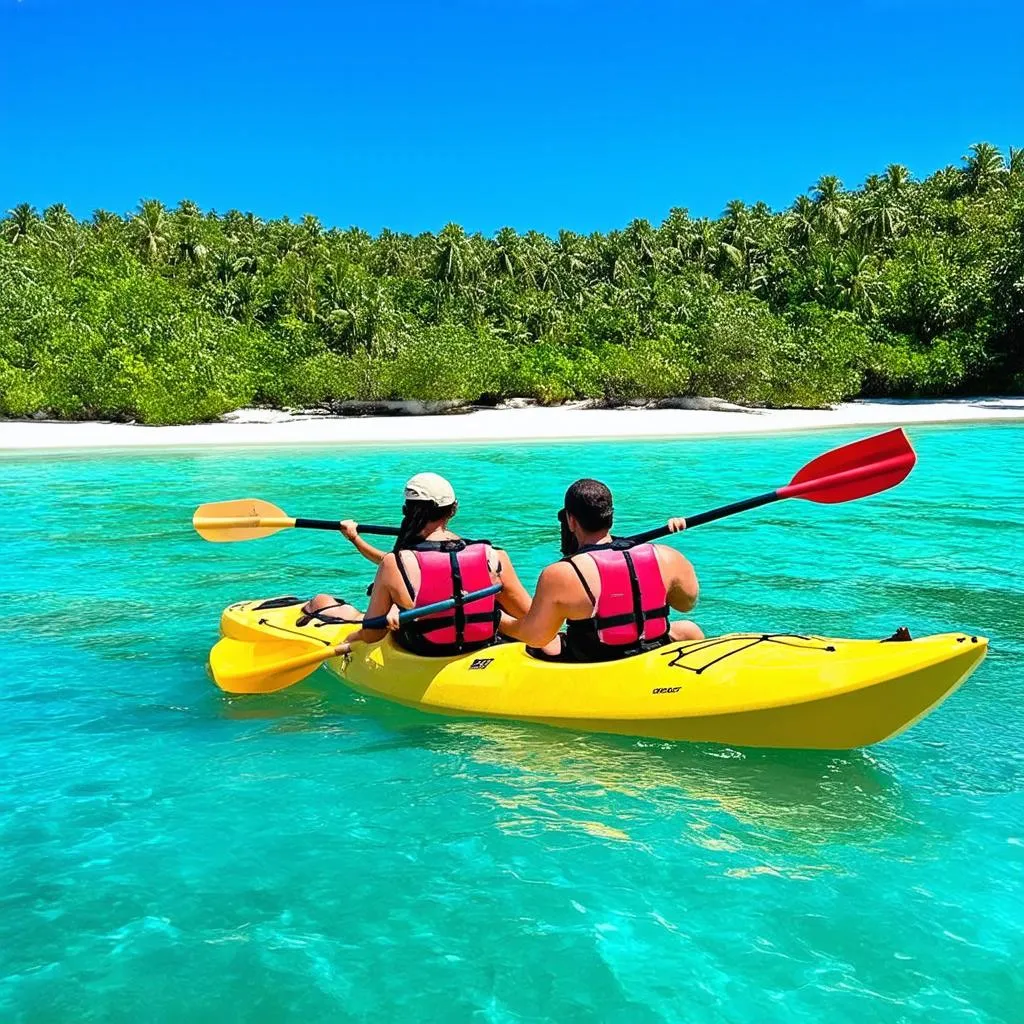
{"x": 368, "y": 551}
{"x": 683, "y": 589}
{"x": 513, "y": 597}
{"x": 540, "y": 625}
{"x": 381, "y": 598}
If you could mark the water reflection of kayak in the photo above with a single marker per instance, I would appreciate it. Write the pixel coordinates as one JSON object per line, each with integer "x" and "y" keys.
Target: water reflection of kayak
{"x": 716, "y": 795}
{"x": 542, "y": 780}
{"x": 743, "y": 689}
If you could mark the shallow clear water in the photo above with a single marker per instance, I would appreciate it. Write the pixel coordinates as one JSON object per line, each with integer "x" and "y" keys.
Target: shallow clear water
{"x": 169, "y": 853}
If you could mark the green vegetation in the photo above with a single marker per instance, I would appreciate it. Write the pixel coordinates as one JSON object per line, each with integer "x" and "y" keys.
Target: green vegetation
{"x": 897, "y": 288}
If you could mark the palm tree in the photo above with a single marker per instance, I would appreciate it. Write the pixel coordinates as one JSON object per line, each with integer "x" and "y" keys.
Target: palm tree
{"x": 825, "y": 274}
{"x": 859, "y": 286}
{"x": 190, "y": 247}
{"x": 453, "y": 259}
{"x": 672, "y": 237}
{"x": 232, "y": 222}
{"x": 103, "y": 219}
{"x": 107, "y": 226}
{"x": 537, "y": 252}
{"x": 546, "y": 263}
{"x": 392, "y": 256}
{"x": 572, "y": 263}
{"x": 832, "y": 210}
{"x": 742, "y": 247}
{"x": 355, "y": 242}
{"x": 639, "y": 237}
{"x": 800, "y": 221}
{"x": 151, "y": 228}
{"x": 305, "y": 278}
{"x": 507, "y": 261}
{"x": 186, "y": 208}
{"x": 310, "y": 233}
{"x": 21, "y": 223}
{"x": 984, "y": 168}
{"x": 736, "y": 233}
{"x": 879, "y": 216}
{"x": 58, "y": 216}
{"x": 251, "y": 229}
{"x": 1016, "y": 165}
{"x": 846, "y": 279}
{"x": 703, "y": 243}
{"x": 897, "y": 178}
{"x": 615, "y": 265}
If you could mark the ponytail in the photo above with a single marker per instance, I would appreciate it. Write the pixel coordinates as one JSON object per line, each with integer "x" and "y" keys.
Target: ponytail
{"x": 415, "y": 516}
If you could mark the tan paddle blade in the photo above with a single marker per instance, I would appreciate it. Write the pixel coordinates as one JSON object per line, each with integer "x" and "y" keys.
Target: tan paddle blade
{"x": 267, "y": 666}
{"x": 244, "y": 519}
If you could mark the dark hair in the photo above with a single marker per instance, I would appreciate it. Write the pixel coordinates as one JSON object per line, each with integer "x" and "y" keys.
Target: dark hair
{"x": 415, "y": 516}
{"x": 589, "y": 502}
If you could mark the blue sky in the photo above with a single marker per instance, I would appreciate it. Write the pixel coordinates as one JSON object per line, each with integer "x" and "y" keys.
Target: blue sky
{"x": 534, "y": 113}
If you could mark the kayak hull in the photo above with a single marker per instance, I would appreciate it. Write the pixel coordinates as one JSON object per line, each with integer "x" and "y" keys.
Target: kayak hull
{"x": 742, "y": 689}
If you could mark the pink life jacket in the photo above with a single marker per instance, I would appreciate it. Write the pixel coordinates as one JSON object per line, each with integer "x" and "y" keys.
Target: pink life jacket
{"x": 631, "y": 613}
{"x": 449, "y": 568}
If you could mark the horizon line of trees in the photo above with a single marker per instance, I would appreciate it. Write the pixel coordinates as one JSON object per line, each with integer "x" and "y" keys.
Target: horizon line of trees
{"x": 896, "y": 288}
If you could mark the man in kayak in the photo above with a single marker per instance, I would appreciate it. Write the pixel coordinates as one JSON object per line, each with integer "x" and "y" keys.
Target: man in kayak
{"x": 430, "y": 563}
{"x": 614, "y": 600}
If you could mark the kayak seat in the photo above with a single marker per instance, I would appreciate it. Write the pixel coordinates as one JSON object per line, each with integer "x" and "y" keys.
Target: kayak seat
{"x": 541, "y": 655}
{"x": 278, "y": 602}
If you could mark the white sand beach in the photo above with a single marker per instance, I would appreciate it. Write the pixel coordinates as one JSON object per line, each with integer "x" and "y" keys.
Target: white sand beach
{"x": 271, "y": 427}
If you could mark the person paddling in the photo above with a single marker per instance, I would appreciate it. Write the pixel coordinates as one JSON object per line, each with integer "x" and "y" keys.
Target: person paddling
{"x": 430, "y": 563}
{"x": 614, "y": 600}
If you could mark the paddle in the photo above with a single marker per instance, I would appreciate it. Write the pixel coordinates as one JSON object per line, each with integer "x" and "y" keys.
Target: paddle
{"x": 250, "y": 518}
{"x": 271, "y": 665}
{"x": 854, "y": 471}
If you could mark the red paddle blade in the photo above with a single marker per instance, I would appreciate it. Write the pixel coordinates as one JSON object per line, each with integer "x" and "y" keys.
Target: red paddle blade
{"x": 854, "y": 471}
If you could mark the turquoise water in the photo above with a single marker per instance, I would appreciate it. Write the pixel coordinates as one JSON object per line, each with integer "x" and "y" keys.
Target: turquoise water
{"x": 170, "y": 853}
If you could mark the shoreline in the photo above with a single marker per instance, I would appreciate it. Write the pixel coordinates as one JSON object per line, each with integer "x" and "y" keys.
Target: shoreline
{"x": 258, "y": 427}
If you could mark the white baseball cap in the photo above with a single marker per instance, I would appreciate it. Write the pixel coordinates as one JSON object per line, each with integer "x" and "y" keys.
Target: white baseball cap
{"x": 430, "y": 487}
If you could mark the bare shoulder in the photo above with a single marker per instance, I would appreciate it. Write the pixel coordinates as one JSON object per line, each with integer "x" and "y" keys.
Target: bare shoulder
{"x": 388, "y": 566}
{"x": 555, "y": 575}
{"x": 673, "y": 560}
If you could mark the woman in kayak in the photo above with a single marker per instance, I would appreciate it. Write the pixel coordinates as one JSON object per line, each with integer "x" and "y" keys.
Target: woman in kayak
{"x": 430, "y": 563}
{"x": 613, "y": 599}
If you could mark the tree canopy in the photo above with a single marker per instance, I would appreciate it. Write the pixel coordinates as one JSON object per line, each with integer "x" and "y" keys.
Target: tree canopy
{"x": 897, "y": 288}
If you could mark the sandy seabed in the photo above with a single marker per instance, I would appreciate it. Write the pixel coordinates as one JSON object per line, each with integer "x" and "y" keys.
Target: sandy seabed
{"x": 272, "y": 427}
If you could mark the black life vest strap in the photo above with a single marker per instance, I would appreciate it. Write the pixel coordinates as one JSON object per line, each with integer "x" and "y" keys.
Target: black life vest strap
{"x": 445, "y": 545}
{"x": 459, "y": 618}
{"x": 617, "y": 544}
{"x": 639, "y": 615}
{"x": 422, "y": 626}
{"x": 608, "y": 621}
{"x": 405, "y": 577}
{"x": 638, "y": 603}
{"x": 460, "y": 602}
{"x": 586, "y": 586}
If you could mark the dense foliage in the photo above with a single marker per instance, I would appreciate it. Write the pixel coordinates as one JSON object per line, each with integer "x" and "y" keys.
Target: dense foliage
{"x": 896, "y": 288}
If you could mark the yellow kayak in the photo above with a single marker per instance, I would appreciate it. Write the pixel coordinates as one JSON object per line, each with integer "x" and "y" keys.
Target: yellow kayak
{"x": 741, "y": 689}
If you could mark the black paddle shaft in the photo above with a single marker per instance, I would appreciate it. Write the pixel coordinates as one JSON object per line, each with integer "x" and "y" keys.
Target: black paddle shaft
{"x": 709, "y": 517}
{"x": 332, "y": 524}
{"x": 380, "y": 621}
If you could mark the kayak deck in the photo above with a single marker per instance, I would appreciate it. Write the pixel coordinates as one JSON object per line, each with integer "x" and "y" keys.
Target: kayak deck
{"x": 742, "y": 689}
